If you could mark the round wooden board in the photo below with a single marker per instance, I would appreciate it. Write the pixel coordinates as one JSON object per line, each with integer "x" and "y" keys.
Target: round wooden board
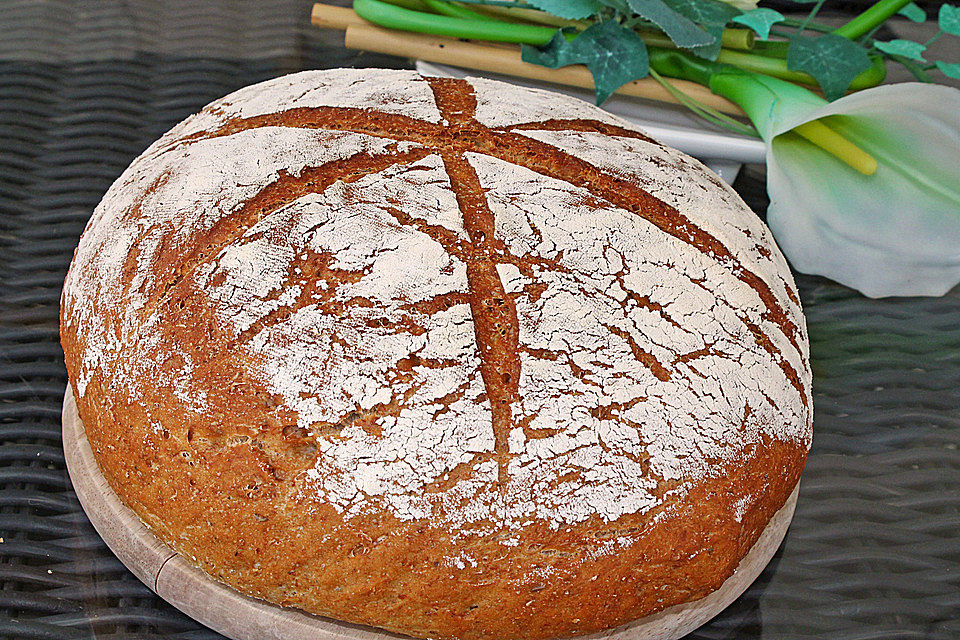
{"x": 243, "y": 618}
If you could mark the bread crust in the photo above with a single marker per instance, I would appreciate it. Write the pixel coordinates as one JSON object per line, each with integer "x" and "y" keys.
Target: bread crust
{"x": 233, "y": 473}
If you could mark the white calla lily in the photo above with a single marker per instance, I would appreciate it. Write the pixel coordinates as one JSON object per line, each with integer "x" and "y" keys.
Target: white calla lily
{"x": 896, "y": 232}
{"x": 893, "y": 227}
{"x": 864, "y": 190}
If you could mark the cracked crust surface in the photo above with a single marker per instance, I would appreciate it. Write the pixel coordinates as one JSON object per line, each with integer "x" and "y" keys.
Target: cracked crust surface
{"x": 447, "y": 357}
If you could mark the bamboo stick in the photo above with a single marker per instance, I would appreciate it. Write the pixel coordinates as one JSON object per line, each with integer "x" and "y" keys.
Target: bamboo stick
{"x": 494, "y": 58}
{"x": 330, "y": 17}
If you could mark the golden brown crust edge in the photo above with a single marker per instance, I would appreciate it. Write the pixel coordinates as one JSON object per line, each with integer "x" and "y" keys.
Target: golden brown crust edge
{"x": 226, "y": 494}
{"x": 393, "y": 574}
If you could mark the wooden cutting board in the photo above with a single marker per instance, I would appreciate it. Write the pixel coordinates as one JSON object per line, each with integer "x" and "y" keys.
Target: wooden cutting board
{"x": 243, "y": 618}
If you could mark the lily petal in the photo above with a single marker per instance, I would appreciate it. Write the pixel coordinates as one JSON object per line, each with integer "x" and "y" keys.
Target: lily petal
{"x": 896, "y": 232}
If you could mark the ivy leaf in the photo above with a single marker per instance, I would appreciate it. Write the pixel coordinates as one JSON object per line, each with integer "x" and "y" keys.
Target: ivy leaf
{"x": 832, "y": 60}
{"x": 712, "y": 15}
{"x": 949, "y": 69}
{"x": 559, "y": 52}
{"x": 614, "y": 55}
{"x": 678, "y": 28}
{"x": 905, "y": 48}
{"x": 949, "y": 19}
{"x": 913, "y": 12}
{"x": 760, "y": 20}
{"x": 568, "y": 9}
{"x": 620, "y": 6}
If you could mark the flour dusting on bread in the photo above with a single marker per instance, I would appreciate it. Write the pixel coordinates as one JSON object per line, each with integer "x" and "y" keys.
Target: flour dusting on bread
{"x": 635, "y": 366}
{"x": 495, "y": 331}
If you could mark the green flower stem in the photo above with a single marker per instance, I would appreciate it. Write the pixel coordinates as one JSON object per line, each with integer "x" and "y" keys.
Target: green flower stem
{"x": 460, "y": 22}
{"x": 795, "y": 23}
{"x": 865, "y": 38}
{"x": 810, "y": 16}
{"x": 777, "y": 50}
{"x": 736, "y": 41}
{"x": 919, "y": 71}
{"x": 394, "y": 17}
{"x": 532, "y": 16}
{"x": 757, "y": 95}
{"x": 774, "y": 48}
{"x": 705, "y": 112}
{"x": 518, "y": 4}
{"x": 875, "y": 15}
{"x": 734, "y": 38}
{"x": 674, "y": 64}
{"x": 413, "y": 5}
{"x": 777, "y": 67}
{"x": 743, "y": 39}
{"x": 455, "y": 10}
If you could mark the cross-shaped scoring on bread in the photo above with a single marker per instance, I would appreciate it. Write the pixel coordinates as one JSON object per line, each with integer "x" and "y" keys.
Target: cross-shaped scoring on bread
{"x": 407, "y": 232}
{"x": 469, "y": 305}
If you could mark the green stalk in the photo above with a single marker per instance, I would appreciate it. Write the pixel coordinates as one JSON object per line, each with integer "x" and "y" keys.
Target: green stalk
{"x": 757, "y": 95}
{"x": 707, "y": 113}
{"x": 875, "y": 15}
{"x": 917, "y": 70}
{"x": 869, "y": 34}
{"x": 810, "y": 16}
{"x": 774, "y": 48}
{"x": 414, "y": 5}
{"x": 674, "y": 64}
{"x": 393, "y": 17}
{"x": 743, "y": 39}
{"x": 460, "y": 22}
{"x": 533, "y": 16}
{"x": 777, "y": 51}
{"x": 499, "y": 3}
{"x": 734, "y": 38}
{"x": 777, "y": 68}
{"x": 795, "y": 23}
{"x": 454, "y": 10}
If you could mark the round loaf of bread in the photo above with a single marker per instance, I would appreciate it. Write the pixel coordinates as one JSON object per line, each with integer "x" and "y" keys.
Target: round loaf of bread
{"x": 447, "y": 357}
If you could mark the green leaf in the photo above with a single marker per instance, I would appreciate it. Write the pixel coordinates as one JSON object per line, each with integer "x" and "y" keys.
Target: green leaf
{"x": 568, "y": 9}
{"x": 760, "y": 20}
{"x": 832, "y": 60}
{"x": 905, "y": 48}
{"x": 559, "y": 52}
{"x": 949, "y": 69}
{"x": 949, "y": 19}
{"x": 913, "y": 12}
{"x": 678, "y": 28}
{"x": 712, "y": 15}
{"x": 705, "y": 12}
{"x": 614, "y": 55}
{"x": 620, "y": 6}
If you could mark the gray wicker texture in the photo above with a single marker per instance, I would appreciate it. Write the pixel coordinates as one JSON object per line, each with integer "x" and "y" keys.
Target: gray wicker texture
{"x": 873, "y": 552}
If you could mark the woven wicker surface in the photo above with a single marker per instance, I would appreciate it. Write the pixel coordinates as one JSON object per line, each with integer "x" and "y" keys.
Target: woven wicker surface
{"x": 84, "y": 87}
